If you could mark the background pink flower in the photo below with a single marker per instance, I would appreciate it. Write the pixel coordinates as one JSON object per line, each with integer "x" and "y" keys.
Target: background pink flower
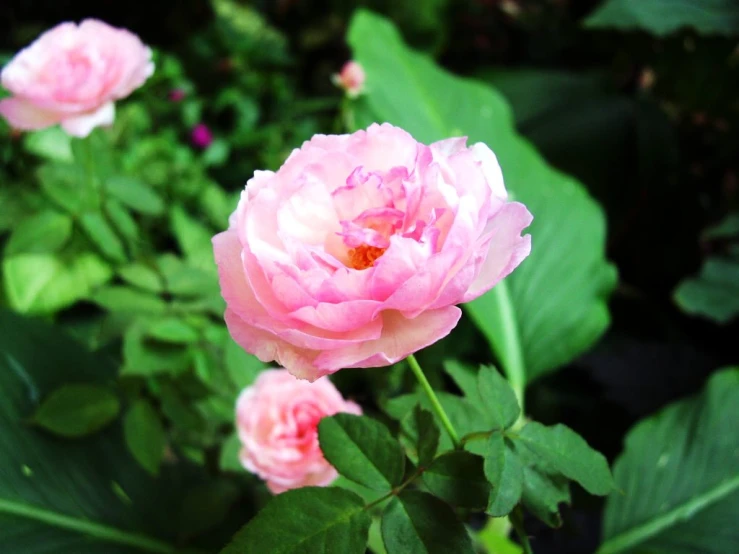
{"x": 201, "y": 135}
{"x": 351, "y": 78}
{"x": 73, "y": 74}
{"x": 277, "y": 422}
{"x": 356, "y": 252}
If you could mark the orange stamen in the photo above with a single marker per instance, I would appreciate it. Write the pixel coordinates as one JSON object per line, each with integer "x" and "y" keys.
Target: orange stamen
{"x": 364, "y": 256}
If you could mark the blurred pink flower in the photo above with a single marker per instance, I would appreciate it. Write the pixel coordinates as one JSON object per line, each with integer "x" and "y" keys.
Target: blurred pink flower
{"x": 177, "y": 95}
{"x": 351, "y": 79}
{"x": 201, "y": 136}
{"x": 357, "y": 250}
{"x": 73, "y": 74}
{"x": 277, "y": 422}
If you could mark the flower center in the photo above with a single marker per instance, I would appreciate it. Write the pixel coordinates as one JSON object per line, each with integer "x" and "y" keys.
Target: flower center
{"x": 364, "y": 256}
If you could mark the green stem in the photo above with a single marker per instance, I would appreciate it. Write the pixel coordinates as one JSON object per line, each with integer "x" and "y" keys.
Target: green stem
{"x": 511, "y": 352}
{"x": 89, "y": 528}
{"x": 435, "y": 404}
{"x": 516, "y": 519}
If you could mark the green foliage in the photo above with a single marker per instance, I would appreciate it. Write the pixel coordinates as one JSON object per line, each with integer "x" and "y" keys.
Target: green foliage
{"x": 458, "y": 478}
{"x": 310, "y": 520}
{"x": 679, "y": 477}
{"x": 662, "y": 17}
{"x": 504, "y": 472}
{"x": 145, "y": 436}
{"x": 47, "y": 231}
{"x": 497, "y": 398}
{"x": 427, "y": 435}
{"x": 714, "y": 293}
{"x": 363, "y": 450}
{"x": 77, "y": 410}
{"x": 547, "y": 312}
{"x": 417, "y": 523}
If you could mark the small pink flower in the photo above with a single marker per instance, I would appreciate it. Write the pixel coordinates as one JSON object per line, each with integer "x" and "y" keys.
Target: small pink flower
{"x": 277, "y": 422}
{"x": 177, "y": 95}
{"x": 73, "y": 74}
{"x": 356, "y": 252}
{"x": 201, "y": 136}
{"x": 351, "y": 79}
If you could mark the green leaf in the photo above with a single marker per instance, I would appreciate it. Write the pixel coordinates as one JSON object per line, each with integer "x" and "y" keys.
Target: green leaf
{"x": 145, "y": 435}
{"x": 464, "y": 376}
{"x": 173, "y": 330}
{"x": 44, "y": 232}
{"x": 428, "y": 435}
{"x": 310, "y": 520}
{"x": 145, "y": 358}
{"x": 77, "y": 410}
{"x": 494, "y": 537}
{"x": 43, "y": 283}
{"x": 458, "y": 478}
{"x": 206, "y": 506}
{"x": 185, "y": 280}
{"x": 543, "y": 493}
{"x": 85, "y": 496}
{"x": 193, "y": 238}
{"x": 679, "y": 477}
{"x": 504, "y": 472}
{"x": 51, "y": 143}
{"x": 662, "y": 17}
{"x": 417, "y": 523}
{"x": 229, "y": 457}
{"x": 714, "y": 293}
{"x": 102, "y": 235}
{"x": 362, "y": 449}
{"x": 135, "y": 194}
{"x": 128, "y": 300}
{"x": 546, "y": 312}
{"x": 123, "y": 222}
{"x": 141, "y": 276}
{"x": 568, "y": 453}
{"x": 498, "y": 399}
{"x": 241, "y": 366}
{"x": 63, "y": 185}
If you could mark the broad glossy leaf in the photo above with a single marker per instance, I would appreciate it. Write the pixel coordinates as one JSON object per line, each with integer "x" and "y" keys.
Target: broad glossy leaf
{"x": 714, "y": 293}
{"x": 568, "y": 453}
{"x": 310, "y": 520}
{"x": 77, "y": 410}
{"x": 85, "y": 496}
{"x": 504, "y": 472}
{"x": 663, "y": 17}
{"x": 363, "y": 450}
{"x": 458, "y": 478}
{"x": 417, "y": 523}
{"x": 679, "y": 478}
{"x": 548, "y": 311}
{"x": 145, "y": 435}
{"x": 45, "y": 283}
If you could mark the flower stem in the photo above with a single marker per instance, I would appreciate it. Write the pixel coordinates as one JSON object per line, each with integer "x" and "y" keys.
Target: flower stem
{"x": 435, "y": 404}
{"x": 516, "y": 518}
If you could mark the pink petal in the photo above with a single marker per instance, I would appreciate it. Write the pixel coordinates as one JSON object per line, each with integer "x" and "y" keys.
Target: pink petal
{"x": 24, "y": 115}
{"x": 82, "y": 125}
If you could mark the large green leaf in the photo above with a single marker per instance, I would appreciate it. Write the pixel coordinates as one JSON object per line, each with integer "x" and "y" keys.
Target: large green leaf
{"x": 553, "y": 307}
{"x": 714, "y": 293}
{"x": 85, "y": 496}
{"x": 663, "y": 17}
{"x": 680, "y": 478}
{"x": 311, "y": 520}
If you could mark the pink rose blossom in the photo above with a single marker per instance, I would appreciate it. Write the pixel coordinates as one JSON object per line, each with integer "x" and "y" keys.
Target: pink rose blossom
{"x": 356, "y": 252}
{"x": 351, "y": 79}
{"x": 73, "y": 74}
{"x": 277, "y": 422}
{"x": 201, "y": 136}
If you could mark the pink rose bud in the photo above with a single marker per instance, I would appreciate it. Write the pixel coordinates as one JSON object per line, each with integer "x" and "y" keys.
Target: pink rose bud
{"x": 177, "y": 95}
{"x": 351, "y": 79}
{"x": 201, "y": 136}
{"x": 356, "y": 252}
{"x": 277, "y": 423}
{"x": 73, "y": 74}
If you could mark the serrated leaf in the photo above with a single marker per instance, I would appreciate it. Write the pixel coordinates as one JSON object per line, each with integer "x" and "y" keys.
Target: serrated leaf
{"x": 102, "y": 235}
{"x": 428, "y": 435}
{"x": 458, "y": 478}
{"x": 546, "y": 312}
{"x": 417, "y": 523}
{"x": 663, "y": 17}
{"x": 679, "y": 477}
{"x": 135, "y": 194}
{"x": 310, "y": 520}
{"x": 77, "y": 410}
{"x": 363, "y": 450}
{"x": 464, "y": 376}
{"x": 145, "y": 435}
{"x": 498, "y": 399}
{"x": 569, "y": 454}
{"x": 504, "y": 472}
{"x": 543, "y": 493}
{"x": 46, "y": 231}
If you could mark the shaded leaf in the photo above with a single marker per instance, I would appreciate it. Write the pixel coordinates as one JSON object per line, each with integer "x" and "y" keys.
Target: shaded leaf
{"x": 458, "y": 478}
{"x": 498, "y": 399}
{"x": 135, "y": 194}
{"x": 504, "y": 472}
{"x": 714, "y": 293}
{"x": 77, "y": 410}
{"x": 145, "y": 435}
